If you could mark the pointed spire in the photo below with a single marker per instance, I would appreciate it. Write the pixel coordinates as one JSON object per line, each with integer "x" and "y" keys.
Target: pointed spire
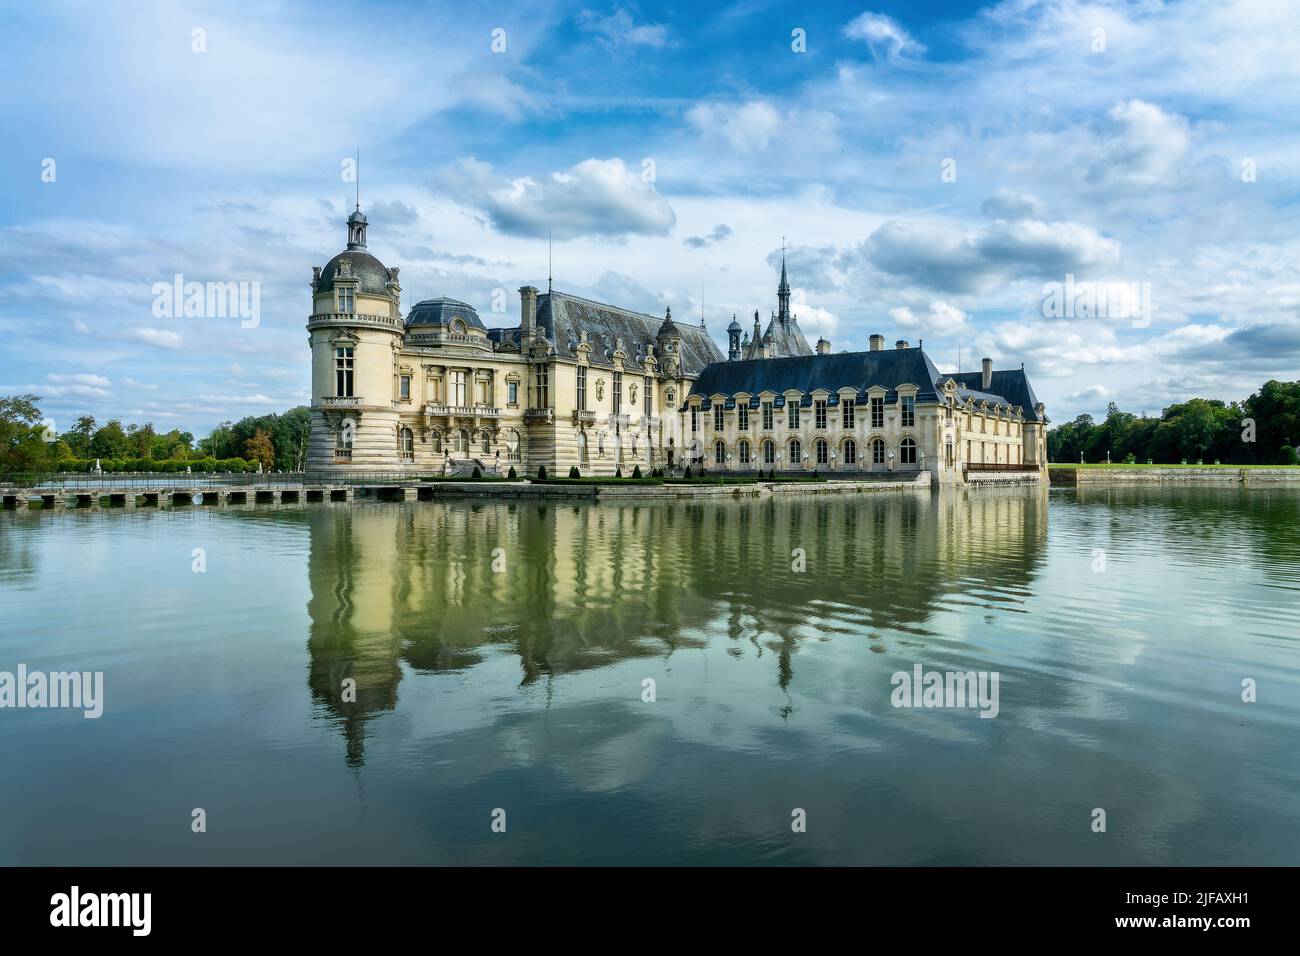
{"x": 783, "y": 290}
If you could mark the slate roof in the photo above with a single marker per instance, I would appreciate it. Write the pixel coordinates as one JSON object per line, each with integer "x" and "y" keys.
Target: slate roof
{"x": 441, "y": 311}
{"x": 857, "y": 370}
{"x": 563, "y": 317}
{"x": 373, "y": 273}
{"x": 787, "y": 338}
{"x": 1011, "y": 385}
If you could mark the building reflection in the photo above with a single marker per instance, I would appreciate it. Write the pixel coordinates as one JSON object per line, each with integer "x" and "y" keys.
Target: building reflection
{"x": 412, "y": 588}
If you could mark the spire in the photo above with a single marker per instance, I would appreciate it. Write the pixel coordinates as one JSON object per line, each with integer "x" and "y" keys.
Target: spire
{"x": 783, "y": 290}
{"x": 548, "y": 262}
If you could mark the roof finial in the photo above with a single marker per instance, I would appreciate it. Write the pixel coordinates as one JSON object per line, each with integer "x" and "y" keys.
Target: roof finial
{"x": 358, "y": 178}
{"x": 701, "y": 303}
{"x": 548, "y": 261}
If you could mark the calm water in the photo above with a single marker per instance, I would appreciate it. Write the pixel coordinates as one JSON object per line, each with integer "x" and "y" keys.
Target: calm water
{"x": 522, "y": 689}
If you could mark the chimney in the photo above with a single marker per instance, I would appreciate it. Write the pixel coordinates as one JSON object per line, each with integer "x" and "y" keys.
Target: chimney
{"x": 986, "y": 380}
{"x": 823, "y": 347}
{"x": 901, "y": 344}
{"x": 877, "y": 343}
{"x": 527, "y": 311}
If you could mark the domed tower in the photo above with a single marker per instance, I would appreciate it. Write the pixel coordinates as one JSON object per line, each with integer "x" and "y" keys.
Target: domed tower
{"x": 355, "y": 328}
{"x": 733, "y": 340}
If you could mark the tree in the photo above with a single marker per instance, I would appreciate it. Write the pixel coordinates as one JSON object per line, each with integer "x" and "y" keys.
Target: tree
{"x": 22, "y": 437}
{"x": 259, "y": 448}
{"x": 110, "y": 441}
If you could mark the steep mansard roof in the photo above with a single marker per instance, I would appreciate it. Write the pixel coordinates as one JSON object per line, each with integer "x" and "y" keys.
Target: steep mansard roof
{"x": 1010, "y": 385}
{"x": 563, "y": 317}
{"x": 787, "y": 339}
{"x": 805, "y": 373}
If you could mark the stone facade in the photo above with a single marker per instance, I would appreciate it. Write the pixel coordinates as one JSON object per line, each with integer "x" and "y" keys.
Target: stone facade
{"x": 594, "y": 386}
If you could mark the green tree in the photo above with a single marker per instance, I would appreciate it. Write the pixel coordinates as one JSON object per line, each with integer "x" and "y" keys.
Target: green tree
{"x": 259, "y": 448}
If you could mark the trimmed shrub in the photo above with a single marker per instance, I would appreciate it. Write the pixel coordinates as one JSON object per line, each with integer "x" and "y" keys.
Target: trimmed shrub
{"x": 687, "y": 472}
{"x": 1286, "y": 455}
{"x": 574, "y": 473}
{"x": 618, "y": 472}
{"x": 476, "y": 473}
{"x": 512, "y": 475}
{"x": 636, "y": 471}
{"x": 541, "y": 472}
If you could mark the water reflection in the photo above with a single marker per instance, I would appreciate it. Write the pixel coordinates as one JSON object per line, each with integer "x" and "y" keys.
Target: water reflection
{"x": 582, "y": 585}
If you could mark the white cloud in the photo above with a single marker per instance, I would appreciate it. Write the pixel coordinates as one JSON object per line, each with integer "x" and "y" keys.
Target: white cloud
{"x": 162, "y": 338}
{"x": 883, "y": 34}
{"x": 596, "y": 197}
{"x": 619, "y": 29}
{"x": 80, "y": 378}
{"x": 940, "y": 318}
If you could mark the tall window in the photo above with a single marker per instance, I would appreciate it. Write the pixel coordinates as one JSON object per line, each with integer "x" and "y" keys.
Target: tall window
{"x": 542, "y": 387}
{"x": 742, "y": 417}
{"x": 877, "y": 451}
{"x": 850, "y": 452}
{"x": 819, "y": 414}
{"x": 347, "y": 300}
{"x": 462, "y": 441}
{"x": 767, "y": 416}
{"x": 343, "y": 443}
{"x": 457, "y": 396}
{"x": 907, "y": 452}
{"x": 436, "y": 442}
{"x": 823, "y": 451}
{"x": 486, "y": 442}
{"x": 742, "y": 451}
{"x": 846, "y": 412}
{"x": 719, "y": 453}
{"x": 406, "y": 444}
{"x": 617, "y": 397}
{"x": 878, "y": 411}
{"x": 404, "y": 387}
{"x": 343, "y": 372}
{"x": 695, "y": 418}
{"x": 769, "y": 452}
{"x": 796, "y": 452}
{"x": 718, "y": 418}
{"x": 512, "y": 393}
{"x": 792, "y": 411}
{"x": 582, "y": 388}
{"x": 582, "y": 447}
{"x": 647, "y": 395}
{"x": 909, "y": 411}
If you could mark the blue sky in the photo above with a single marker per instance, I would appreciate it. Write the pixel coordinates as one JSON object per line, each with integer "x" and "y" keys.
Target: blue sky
{"x": 932, "y": 168}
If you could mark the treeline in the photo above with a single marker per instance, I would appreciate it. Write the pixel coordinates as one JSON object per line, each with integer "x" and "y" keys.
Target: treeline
{"x": 276, "y": 442}
{"x": 1262, "y": 430}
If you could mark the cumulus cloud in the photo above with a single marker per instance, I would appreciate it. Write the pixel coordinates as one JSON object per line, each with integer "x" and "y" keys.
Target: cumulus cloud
{"x": 940, "y": 318}
{"x": 948, "y": 258}
{"x": 1145, "y": 147}
{"x": 597, "y": 197}
{"x": 1008, "y": 204}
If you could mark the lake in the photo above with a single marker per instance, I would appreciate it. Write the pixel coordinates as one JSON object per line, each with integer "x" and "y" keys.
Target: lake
{"x": 685, "y": 682}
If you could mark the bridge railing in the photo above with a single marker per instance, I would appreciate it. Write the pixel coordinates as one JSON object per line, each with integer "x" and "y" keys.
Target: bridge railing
{"x": 113, "y": 481}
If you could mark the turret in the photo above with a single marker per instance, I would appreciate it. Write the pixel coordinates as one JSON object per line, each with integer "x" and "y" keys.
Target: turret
{"x": 733, "y": 340}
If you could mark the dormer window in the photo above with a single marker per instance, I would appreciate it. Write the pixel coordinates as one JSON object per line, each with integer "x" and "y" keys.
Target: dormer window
{"x": 347, "y": 300}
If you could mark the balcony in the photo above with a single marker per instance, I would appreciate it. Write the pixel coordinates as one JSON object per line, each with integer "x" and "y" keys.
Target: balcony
{"x": 340, "y": 401}
{"x": 583, "y": 417}
{"x": 433, "y": 410}
{"x": 356, "y": 318}
{"x": 618, "y": 421}
{"x": 539, "y": 416}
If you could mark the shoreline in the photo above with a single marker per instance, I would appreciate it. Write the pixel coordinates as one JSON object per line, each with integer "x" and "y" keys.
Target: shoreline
{"x": 1075, "y": 476}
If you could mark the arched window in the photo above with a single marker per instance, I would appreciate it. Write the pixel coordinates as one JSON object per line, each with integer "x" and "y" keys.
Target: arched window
{"x": 462, "y": 441}
{"x": 796, "y": 452}
{"x": 719, "y": 452}
{"x": 582, "y": 448}
{"x": 850, "y": 452}
{"x": 742, "y": 451}
{"x": 769, "y": 452}
{"x": 406, "y": 444}
{"x": 487, "y": 443}
{"x": 877, "y": 451}
{"x": 823, "y": 449}
{"x": 907, "y": 451}
{"x": 436, "y": 440}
